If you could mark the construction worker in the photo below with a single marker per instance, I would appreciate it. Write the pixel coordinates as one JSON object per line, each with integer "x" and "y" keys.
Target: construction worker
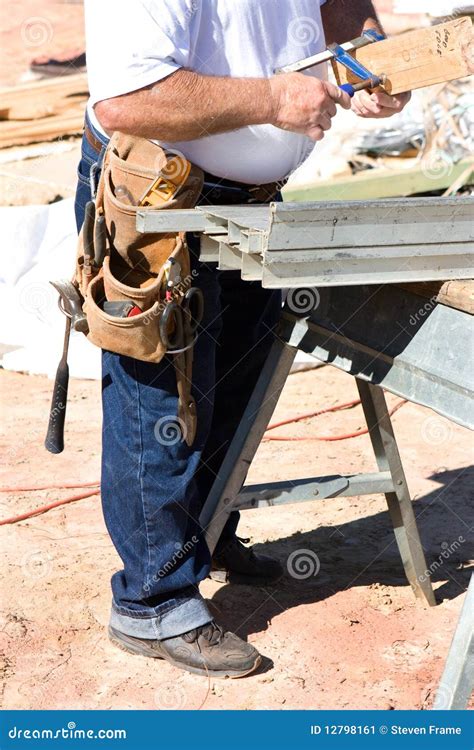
{"x": 198, "y": 77}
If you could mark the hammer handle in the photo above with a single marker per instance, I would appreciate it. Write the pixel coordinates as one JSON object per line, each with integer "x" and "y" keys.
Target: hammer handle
{"x": 54, "y": 441}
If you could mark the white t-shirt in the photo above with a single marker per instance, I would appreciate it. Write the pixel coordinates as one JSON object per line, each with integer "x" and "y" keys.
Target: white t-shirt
{"x": 134, "y": 43}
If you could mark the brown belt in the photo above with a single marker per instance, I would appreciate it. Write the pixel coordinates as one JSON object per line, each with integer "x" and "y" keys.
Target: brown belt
{"x": 266, "y": 193}
{"x": 258, "y": 193}
{"x": 92, "y": 140}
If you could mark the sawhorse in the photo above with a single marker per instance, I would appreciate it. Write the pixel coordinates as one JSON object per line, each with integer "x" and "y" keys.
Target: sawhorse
{"x": 227, "y": 494}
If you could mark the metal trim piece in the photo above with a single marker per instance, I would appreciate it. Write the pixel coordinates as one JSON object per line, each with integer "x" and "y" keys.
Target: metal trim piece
{"x": 335, "y": 243}
{"x": 457, "y": 683}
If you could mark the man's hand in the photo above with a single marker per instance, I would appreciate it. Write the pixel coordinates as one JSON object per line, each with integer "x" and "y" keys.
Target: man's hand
{"x": 292, "y": 101}
{"x": 379, "y": 104}
{"x": 304, "y": 104}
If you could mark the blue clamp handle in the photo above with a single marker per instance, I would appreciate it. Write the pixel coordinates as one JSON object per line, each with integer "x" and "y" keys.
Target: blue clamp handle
{"x": 348, "y": 88}
{"x": 375, "y": 36}
{"x": 368, "y": 83}
{"x": 359, "y": 70}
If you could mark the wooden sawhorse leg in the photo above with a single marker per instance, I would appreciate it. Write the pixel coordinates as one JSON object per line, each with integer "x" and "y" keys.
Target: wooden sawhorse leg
{"x": 399, "y": 502}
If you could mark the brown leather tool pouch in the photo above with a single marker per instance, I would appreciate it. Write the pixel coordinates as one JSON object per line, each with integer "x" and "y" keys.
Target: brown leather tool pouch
{"x": 139, "y": 175}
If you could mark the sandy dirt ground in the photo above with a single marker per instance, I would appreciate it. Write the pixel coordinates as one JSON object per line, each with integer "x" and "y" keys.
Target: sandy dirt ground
{"x": 346, "y": 634}
{"x": 37, "y": 28}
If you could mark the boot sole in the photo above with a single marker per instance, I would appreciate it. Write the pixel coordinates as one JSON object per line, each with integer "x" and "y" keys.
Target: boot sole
{"x": 131, "y": 646}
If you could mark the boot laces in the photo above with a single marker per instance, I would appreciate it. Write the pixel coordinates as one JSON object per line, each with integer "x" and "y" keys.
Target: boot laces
{"x": 211, "y": 632}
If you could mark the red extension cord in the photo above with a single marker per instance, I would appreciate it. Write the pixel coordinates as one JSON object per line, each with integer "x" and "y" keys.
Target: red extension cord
{"x": 92, "y": 492}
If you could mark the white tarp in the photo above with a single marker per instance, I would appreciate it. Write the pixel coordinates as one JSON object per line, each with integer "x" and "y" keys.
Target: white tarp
{"x": 38, "y": 244}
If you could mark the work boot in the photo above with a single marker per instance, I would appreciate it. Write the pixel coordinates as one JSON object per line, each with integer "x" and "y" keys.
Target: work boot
{"x": 207, "y": 650}
{"x": 234, "y": 563}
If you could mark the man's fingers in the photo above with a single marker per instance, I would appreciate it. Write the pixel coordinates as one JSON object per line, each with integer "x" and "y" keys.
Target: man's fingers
{"x": 386, "y": 100}
{"x": 330, "y": 107}
{"x": 316, "y": 134}
{"x": 365, "y": 101}
{"x": 338, "y": 95}
{"x": 379, "y": 104}
{"x": 325, "y": 122}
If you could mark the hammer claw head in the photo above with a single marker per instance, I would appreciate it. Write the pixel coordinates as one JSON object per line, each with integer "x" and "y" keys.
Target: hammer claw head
{"x": 71, "y": 304}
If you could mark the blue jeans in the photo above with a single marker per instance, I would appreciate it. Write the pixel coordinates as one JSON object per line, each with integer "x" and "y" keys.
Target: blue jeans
{"x": 153, "y": 485}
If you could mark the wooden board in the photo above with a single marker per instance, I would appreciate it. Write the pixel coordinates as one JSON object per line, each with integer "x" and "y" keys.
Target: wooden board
{"x": 382, "y": 183}
{"x": 456, "y": 294}
{"x": 418, "y": 58}
{"x": 19, "y": 133}
{"x": 43, "y": 98}
{"x": 42, "y": 110}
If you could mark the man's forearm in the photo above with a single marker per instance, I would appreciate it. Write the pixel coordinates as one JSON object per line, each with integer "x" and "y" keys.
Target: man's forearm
{"x": 186, "y": 106}
{"x": 344, "y": 20}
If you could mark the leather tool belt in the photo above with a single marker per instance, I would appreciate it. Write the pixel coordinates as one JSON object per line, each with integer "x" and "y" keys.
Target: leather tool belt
{"x": 137, "y": 288}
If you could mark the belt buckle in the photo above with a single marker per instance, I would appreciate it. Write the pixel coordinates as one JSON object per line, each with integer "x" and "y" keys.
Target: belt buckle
{"x": 262, "y": 193}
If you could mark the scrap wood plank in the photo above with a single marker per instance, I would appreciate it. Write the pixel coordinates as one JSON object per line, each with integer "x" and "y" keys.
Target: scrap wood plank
{"x": 421, "y": 177}
{"x": 456, "y": 293}
{"x": 37, "y": 99}
{"x": 418, "y": 58}
{"x": 19, "y": 132}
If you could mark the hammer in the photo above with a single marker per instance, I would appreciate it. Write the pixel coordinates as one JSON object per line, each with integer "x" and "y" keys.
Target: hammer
{"x": 70, "y": 305}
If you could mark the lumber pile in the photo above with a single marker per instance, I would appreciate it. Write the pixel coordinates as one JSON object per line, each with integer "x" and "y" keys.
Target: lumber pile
{"x": 418, "y": 58}
{"x": 42, "y": 110}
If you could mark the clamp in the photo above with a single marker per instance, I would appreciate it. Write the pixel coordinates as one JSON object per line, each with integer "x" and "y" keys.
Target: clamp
{"x": 341, "y": 53}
